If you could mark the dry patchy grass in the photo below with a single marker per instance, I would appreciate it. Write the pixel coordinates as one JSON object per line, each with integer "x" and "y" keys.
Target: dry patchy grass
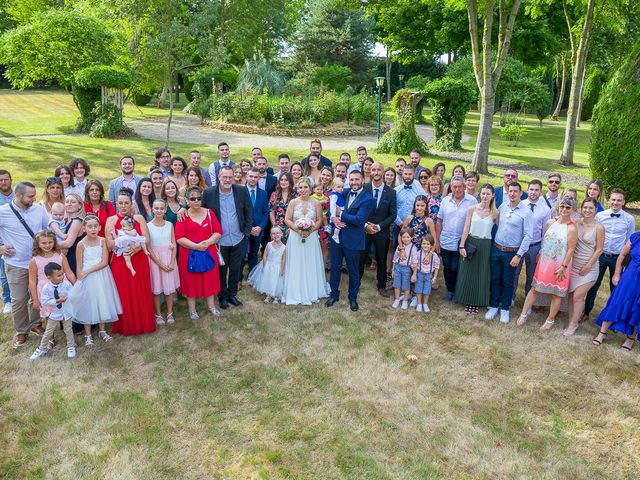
{"x": 287, "y": 392}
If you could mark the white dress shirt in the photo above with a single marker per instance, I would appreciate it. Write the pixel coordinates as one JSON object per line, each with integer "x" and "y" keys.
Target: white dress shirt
{"x": 617, "y": 229}
{"x": 541, "y": 213}
{"x": 13, "y": 233}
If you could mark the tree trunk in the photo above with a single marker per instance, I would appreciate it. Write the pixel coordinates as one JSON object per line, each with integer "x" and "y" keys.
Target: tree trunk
{"x": 388, "y": 74}
{"x": 480, "y": 162}
{"x": 563, "y": 85}
{"x": 584, "y": 75}
{"x": 578, "y": 66}
{"x": 166, "y": 143}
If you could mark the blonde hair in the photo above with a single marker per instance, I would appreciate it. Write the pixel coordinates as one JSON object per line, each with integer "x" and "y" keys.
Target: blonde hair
{"x": 81, "y": 213}
{"x": 435, "y": 179}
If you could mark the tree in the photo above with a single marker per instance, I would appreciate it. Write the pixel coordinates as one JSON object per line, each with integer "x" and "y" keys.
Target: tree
{"x": 591, "y": 92}
{"x": 561, "y": 75}
{"x": 615, "y": 157}
{"x": 260, "y": 75}
{"x": 579, "y": 51}
{"x": 21, "y": 11}
{"x": 53, "y": 46}
{"x": 488, "y": 73}
{"x": 335, "y": 34}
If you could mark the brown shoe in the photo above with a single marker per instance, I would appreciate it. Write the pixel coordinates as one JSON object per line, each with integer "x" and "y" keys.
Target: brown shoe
{"x": 383, "y": 292}
{"x": 21, "y": 339}
{"x": 38, "y": 330}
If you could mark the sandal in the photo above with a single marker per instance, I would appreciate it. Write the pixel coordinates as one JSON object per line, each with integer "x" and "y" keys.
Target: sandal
{"x": 628, "y": 348}
{"x": 214, "y": 311}
{"x": 597, "y": 342}
{"x": 194, "y": 315}
{"x": 159, "y": 320}
{"x": 547, "y": 325}
{"x": 570, "y": 330}
{"x": 522, "y": 319}
{"x": 104, "y": 336}
{"x": 170, "y": 319}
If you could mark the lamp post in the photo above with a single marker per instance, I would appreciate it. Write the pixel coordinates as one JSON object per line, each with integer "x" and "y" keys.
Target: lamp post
{"x": 379, "y": 84}
{"x": 401, "y": 78}
{"x": 213, "y": 86}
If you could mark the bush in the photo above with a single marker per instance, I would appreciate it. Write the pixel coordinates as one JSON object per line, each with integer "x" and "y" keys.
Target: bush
{"x": 108, "y": 121}
{"x": 451, "y": 100}
{"x": 141, "y": 99}
{"x": 512, "y": 132}
{"x": 402, "y": 138}
{"x": 260, "y": 75}
{"x": 615, "y": 156}
{"x": 323, "y": 109}
{"x": 592, "y": 88}
{"x": 332, "y": 77}
{"x": 417, "y": 82}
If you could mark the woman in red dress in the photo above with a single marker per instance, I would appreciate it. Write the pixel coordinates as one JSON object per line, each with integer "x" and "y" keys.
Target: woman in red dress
{"x": 200, "y": 230}
{"x": 135, "y": 290}
{"x": 95, "y": 203}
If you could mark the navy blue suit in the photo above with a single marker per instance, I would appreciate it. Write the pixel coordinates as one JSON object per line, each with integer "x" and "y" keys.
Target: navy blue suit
{"x": 352, "y": 239}
{"x": 260, "y": 219}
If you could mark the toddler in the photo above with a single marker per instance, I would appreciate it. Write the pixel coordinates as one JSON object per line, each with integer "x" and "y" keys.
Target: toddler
{"x": 336, "y": 200}
{"x": 57, "y": 222}
{"x": 427, "y": 266}
{"x": 404, "y": 268}
{"x": 127, "y": 237}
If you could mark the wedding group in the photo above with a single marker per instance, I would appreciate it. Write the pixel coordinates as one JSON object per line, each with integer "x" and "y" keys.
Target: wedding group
{"x": 94, "y": 261}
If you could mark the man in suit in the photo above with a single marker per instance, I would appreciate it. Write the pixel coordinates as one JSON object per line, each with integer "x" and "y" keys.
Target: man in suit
{"x": 377, "y": 228}
{"x": 214, "y": 169}
{"x": 358, "y": 205}
{"x": 232, "y": 206}
{"x": 316, "y": 149}
{"x": 127, "y": 179}
{"x": 266, "y": 181}
{"x": 260, "y": 208}
{"x": 510, "y": 175}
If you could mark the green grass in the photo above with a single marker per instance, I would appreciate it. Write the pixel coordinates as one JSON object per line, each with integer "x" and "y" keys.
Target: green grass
{"x": 276, "y": 392}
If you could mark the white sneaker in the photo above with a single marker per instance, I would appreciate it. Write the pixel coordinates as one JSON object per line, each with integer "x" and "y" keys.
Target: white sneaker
{"x": 419, "y": 307}
{"x": 425, "y": 308}
{"x": 40, "y": 352}
{"x": 88, "y": 341}
{"x": 491, "y": 313}
{"x": 71, "y": 352}
{"x": 414, "y": 302}
{"x": 405, "y": 305}
{"x": 396, "y": 303}
{"x": 7, "y": 309}
{"x": 504, "y": 316}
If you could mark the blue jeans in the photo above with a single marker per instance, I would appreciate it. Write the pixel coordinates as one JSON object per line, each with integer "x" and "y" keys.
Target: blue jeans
{"x": 502, "y": 278}
{"x": 605, "y": 263}
{"x": 530, "y": 259}
{"x": 6, "y": 293}
{"x": 450, "y": 262}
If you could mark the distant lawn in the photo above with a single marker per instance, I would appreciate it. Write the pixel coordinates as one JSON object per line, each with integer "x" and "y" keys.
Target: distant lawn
{"x": 50, "y": 112}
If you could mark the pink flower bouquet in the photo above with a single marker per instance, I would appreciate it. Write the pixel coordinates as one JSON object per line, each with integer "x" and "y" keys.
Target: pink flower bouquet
{"x": 304, "y": 225}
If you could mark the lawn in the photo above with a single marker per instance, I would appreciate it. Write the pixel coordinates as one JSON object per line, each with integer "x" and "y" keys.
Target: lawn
{"x": 276, "y": 392}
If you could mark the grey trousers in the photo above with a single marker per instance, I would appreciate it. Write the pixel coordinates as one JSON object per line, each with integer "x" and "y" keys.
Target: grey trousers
{"x": 25, "y": 317}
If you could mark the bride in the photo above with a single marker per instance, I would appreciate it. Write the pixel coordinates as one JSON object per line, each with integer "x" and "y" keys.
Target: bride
{"x": 304, "y": 278}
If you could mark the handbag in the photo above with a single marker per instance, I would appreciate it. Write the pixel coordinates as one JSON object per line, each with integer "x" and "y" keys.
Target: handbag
{"x": 471, "y": 249}
{"x": 200, "y": 262}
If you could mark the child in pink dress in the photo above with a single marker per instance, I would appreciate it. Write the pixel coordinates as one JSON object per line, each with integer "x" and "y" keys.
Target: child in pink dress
{"x": 165, "y": 278}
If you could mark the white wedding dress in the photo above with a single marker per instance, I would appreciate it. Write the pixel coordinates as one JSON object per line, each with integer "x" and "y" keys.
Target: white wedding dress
{"x": 305, "y": 281}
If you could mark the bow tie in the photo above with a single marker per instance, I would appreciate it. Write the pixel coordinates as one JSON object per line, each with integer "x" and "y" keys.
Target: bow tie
{"x": 408, "y": 187}
{"x": 617, "y": 215}
{"x": 355, "y": 194}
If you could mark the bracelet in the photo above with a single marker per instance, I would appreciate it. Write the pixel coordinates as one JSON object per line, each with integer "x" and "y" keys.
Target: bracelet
{"x": 565, "y": 266}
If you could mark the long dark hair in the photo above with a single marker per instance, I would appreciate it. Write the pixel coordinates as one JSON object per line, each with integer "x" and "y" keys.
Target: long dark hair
{"x": 292, "y": 190}
{"x": 138, "y": 197}
{"x": 420, "y": 198}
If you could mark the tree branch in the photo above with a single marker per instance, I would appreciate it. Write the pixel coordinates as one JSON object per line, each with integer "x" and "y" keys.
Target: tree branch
{"x": 503, "y": 48}
{"x": 472, "y": 11}
{"x": 567, "y": 17}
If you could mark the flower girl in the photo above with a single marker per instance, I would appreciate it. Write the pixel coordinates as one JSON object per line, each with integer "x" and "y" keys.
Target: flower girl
{"x": 94, "y": 298}
{"x": 268, "y": 276}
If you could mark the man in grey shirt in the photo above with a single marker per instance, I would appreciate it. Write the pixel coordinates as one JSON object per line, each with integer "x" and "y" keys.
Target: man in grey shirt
{"x": 232, "y": 206}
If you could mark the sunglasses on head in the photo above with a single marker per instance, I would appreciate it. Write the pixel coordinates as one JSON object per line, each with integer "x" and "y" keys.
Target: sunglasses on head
{"x": 54, "y": 180}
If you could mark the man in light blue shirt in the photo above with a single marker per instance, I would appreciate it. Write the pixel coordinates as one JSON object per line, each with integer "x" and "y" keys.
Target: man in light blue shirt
{"x": 451, "y": 218}
{"x": 406, "y": 194}
{"x": 6, "y": 195}
{"x": 126, "y": 180}
{"x": 618, "y": 227}
{"x": 512, "y": 241}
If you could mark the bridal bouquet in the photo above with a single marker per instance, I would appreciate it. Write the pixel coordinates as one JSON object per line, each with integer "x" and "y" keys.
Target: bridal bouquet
{"x": 305, "y": 225}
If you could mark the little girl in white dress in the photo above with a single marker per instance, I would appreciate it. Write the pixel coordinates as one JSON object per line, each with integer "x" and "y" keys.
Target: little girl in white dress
{"x": 94, "y": 298}
{"x": 268, "y": 276}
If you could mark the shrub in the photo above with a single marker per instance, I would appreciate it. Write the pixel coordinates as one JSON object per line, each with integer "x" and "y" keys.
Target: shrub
{"x": 592, "y": 88}
{"x": 260, "y": 75}
{"x": 402, "y": 138}
{"x": 363, "y": 108}
{"x": 451, "y": 100}
{"x": 333, "y": 77}
{"x": 108, "y": 121}
{"x": 417, "y": 82}
{"x": 141, "y": 99}
{"x": 615, "y": 133}
{"x": 512, "y": 132}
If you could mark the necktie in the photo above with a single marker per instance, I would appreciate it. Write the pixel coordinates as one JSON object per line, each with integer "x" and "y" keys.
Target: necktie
{"x": 253, "y": 198}
{"x": 531, "y": 205}
{"x": 375, "y": 195}
{"x": 56, "y": 295}
{"x": 616, "y": 215}
{"x": 408, "y": 187}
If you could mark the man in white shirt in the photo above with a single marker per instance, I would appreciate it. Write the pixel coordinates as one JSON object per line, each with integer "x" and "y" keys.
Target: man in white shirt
{"x": 224, "y": 153}
{"x": 6, "y": 196}
{"x": 451, "y": 218}
{"x": 16, "y": 243}
{"x": 554, "y": 182}
{"x": 406, "y": 194}
{"x": 618, "y": 227}
{"x": 541, "y": 213}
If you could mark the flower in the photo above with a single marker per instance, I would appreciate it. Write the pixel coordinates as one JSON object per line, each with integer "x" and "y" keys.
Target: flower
{"x": 305, "y": 225}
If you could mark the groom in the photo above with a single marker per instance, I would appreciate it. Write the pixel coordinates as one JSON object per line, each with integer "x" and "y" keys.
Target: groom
{"x": 358, "y": 204}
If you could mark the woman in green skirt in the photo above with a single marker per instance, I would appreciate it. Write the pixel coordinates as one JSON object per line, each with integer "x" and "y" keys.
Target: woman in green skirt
{"x": 474, "y": 275}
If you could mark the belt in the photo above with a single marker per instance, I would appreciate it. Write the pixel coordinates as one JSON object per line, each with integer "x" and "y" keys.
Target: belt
{"x": 609, "y": 255}
{"x": 506, "y": 249}
{"x": 534, "y": 244}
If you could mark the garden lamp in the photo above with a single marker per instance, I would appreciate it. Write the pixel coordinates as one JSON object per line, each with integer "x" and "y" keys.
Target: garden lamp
{"x": 379, "y": 84}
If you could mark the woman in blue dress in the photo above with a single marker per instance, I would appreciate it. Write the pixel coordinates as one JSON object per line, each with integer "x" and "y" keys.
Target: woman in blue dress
{"x": 622, "y": 313}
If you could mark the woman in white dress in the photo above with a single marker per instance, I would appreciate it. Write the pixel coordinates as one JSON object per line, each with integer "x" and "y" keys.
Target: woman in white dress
{"x": 305, "y": 281}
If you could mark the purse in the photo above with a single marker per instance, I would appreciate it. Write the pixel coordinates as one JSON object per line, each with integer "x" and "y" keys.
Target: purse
{"x": 200, "y": 262}
{"x": 471, "y": 249}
